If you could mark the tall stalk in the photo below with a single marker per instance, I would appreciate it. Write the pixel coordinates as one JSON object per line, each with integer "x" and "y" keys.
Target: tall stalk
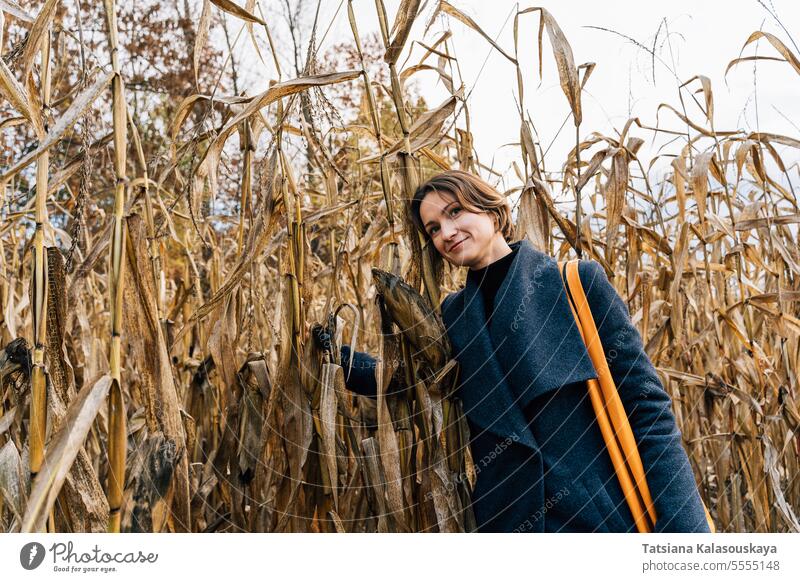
{"x": 152, "y": 240}
{"x": 376, "y": 127}
{"x": 117, "y": 443}
{"x": 248, "y": 148}
{"x": 38, "y": 412}
{"x": 405, "y": 159}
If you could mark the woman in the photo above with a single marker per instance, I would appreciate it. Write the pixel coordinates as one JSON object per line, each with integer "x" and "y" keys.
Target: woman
{"x": 540, "y": 458}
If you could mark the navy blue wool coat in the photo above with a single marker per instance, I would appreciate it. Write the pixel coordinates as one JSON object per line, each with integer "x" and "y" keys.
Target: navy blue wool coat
{"x": 540, "y": 459}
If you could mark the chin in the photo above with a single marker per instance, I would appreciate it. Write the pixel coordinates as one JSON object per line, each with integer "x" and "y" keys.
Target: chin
{"x": 463, "y": 261}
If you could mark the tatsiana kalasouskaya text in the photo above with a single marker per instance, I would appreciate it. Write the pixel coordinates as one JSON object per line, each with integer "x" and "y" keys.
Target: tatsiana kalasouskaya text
{"x": 709, "y": 549}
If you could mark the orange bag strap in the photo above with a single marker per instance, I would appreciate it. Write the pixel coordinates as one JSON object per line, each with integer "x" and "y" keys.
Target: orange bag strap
{"x": 609, "y": 430}
{"x": 611, "y": 416}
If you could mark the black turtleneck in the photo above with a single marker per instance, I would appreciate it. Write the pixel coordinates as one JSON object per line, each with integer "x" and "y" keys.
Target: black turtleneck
{"x": 489, "y": 278}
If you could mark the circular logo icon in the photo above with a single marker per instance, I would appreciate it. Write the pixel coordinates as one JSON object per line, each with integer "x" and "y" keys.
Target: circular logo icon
{"x": 31, "y": 555}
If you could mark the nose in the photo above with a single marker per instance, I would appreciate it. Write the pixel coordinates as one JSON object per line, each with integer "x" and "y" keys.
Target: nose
{"x": 448, "y": 230}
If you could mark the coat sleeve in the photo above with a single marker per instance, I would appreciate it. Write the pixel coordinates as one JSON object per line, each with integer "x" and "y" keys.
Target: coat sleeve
{"x": 648, "y": 406}
{"x": 361, "y": 378}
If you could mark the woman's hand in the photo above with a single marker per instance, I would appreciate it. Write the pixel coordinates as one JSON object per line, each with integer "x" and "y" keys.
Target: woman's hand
{"x": 321, "y": 337}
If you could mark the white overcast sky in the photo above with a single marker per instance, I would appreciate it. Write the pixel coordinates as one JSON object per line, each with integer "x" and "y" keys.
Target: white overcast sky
{"x": 705, "y": 36}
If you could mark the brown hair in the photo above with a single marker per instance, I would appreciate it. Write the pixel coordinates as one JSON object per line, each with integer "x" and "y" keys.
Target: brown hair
{"x": 474, "y": 194}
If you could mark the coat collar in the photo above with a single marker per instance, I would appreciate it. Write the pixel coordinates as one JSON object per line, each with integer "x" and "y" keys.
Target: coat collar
{"x": 533, "y": 345}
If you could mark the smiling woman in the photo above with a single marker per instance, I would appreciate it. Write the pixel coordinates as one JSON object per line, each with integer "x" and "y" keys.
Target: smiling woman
{"x": 468, "y": 221}
{"x": 523, "y": 368}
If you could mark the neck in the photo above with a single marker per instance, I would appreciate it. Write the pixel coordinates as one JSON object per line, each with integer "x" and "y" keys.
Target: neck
{"x": 497, "y": 249}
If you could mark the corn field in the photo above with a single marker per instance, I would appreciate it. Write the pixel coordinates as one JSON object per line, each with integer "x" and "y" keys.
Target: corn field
{"x": 158, "y": 281}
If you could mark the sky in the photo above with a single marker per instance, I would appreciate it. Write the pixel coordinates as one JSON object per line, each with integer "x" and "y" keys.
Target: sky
{"x": 704, "y": 36}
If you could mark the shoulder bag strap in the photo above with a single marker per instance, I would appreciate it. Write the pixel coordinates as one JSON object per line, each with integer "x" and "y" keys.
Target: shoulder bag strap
{"x": 610, "y": 411}
{"x": 601, "y": 393}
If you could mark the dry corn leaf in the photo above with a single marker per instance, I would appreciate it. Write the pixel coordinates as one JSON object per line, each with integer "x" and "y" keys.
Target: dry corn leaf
{"x": 615, "y": 189}
{"x": 76, "y": 109}
{"x": 232, "y": 8}
{"x": 451, "y": 10}
{"x": 40, "y": 27}
{"x": 700, "y": 182}
{"x": 771, "y": 465}
{"x": 200, "y": 39}
{"x": 12, "y": 484}
{"x": 15, "y": 10}
{"x": 401, "y": 28}
{"x": 708, "y": 94}
{"x": 332, "y": 384}
{"x": 779, "y": 46}
{"x": 61, "y": 452}
{"x": 19, "y": 99}
{"x": 565, "y": 62}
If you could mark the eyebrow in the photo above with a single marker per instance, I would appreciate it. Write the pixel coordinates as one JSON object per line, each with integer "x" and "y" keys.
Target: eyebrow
{"x": 445, "y": 208}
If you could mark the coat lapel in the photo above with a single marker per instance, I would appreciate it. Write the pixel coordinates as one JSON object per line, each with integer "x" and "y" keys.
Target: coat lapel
{"x": 533, "y": 346}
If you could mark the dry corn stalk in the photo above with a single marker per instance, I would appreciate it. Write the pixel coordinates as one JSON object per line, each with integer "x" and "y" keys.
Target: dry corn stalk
{"x": 39, "y": 287}
{"x": 117, "y": 441}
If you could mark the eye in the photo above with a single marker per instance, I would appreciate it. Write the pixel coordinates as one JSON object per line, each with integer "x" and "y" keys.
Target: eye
{"x": 455, "y": 210}
{"x": 433, "y": 230}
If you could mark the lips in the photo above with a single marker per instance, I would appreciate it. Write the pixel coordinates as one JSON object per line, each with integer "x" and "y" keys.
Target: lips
{"x": 458, "y": 244}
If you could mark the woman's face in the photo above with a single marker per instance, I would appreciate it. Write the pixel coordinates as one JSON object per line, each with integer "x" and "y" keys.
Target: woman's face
{"x": 463, "y": 238}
